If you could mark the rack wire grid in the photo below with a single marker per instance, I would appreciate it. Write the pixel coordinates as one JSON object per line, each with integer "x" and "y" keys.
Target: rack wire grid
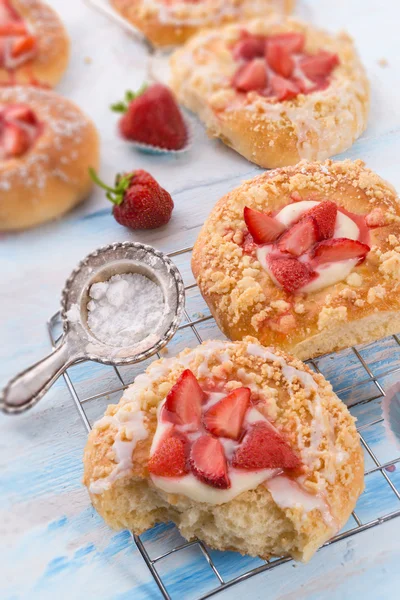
{"x": 359, "y": 376}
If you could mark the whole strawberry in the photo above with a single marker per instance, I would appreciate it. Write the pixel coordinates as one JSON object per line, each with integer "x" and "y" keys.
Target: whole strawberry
{"x": 139, "y": 201}
{"x": 152, "y": 116}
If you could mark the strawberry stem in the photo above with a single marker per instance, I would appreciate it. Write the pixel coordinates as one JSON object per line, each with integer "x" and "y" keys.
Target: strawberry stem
{"x": 122, "y": 107}
{"x": 116, "y": 194}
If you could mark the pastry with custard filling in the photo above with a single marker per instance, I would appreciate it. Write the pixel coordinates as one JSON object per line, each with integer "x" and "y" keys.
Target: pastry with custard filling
{"x": 34, "y": 46}
{"x": 172, "y": 22}
{"x": 241, "y": 446}
{"x": 276, "y": 91}
{"x": 46, "y": 147}
{"x": 306, "y": 258}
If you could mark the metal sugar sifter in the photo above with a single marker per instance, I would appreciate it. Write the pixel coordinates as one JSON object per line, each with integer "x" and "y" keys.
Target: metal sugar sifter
{"x": 78, "y": 342}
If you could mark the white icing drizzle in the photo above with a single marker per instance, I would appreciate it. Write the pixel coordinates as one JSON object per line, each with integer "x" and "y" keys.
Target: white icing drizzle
{"x": 289, "y": 494}
{"x": 206, "y": 12}
{"x": 158, "y": 370}
{"x": 329, "y": 273}
{"x": 321, "y": 424}
{"x": 131, "y": 424}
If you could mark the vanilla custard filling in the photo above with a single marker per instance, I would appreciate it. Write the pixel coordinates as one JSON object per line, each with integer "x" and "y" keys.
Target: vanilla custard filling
{"x": 328, "y": 273}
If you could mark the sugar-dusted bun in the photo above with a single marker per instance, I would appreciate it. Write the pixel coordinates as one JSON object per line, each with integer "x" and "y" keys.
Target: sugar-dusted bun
{"x": 44, "y": 156}
{"x": 267, "y": 130}
{"x": 359, "y": 305}
{"x": 39, "y": 52}
{"x": 264, "y": 512}
{"x": 167, "y": 23}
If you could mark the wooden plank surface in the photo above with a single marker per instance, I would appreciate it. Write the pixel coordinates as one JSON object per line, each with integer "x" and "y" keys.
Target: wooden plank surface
{"x": 52, "y": 543}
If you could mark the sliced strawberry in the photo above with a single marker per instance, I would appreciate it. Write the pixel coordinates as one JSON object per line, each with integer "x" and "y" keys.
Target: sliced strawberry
{"x": 339, "y": 249}
{"x": 11, "y": 28}
{"x": 23, "y": 45}
{"x": 300, "y": 237}
{"x": 8, "y": 12}
{"x": 325, "y": 214}
{"x": 293, "y": 42}
{"x": 14, "y": 141}
{"x": 169, "y": 460}
{"x": 208, "y": 462}
{"x": 263, "y": 228}
{"x": 20, "y": 112}
{"x": 279, "y": 59}
{"x": 183, "y": 403}
{"x": 252, "y": 46}
{"x": 252, "y": 77}
{"x": 225, "y": 418}
{"x": 264, "y": 448}
{"x": 320, "y": 65}
{"x": 290, "y": 273}
{"x": 283, "y": 89}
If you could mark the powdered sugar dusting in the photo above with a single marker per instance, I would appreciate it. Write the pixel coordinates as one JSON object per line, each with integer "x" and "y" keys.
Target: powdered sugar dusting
{"x": 64, "y": 128}
{"x": 125, "y": 310}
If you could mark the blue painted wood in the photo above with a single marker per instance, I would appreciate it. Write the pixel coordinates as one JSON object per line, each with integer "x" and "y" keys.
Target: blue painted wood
{"x": 52, "y": 543}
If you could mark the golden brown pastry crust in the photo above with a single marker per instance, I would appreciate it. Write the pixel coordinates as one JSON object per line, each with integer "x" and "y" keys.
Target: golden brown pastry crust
{"x": 244, "y": 300}
{"x": 52, "y": 176}
{"x": 268, "y": 133}
{"x": 159, "y": 32}
{"x": 320, "y": 430}
{"x": 52, "y": 56}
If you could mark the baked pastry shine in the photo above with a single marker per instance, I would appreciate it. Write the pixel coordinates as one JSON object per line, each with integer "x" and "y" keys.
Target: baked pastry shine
{"x": 172, "y": 22}
{"x": 276, "y": 104}
{"x": 272, "y": 511}
{"x": 46, "y": 147}
{"x": 298, "y": 308}
{"x": 34, "y": 46}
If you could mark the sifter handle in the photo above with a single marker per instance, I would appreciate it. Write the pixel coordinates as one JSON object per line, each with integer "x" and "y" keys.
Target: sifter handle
{"x": 27, "y": 388}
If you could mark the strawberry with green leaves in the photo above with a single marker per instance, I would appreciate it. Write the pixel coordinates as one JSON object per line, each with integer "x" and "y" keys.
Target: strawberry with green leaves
{"x": 152, "y": 116}
{"x": 139, "y": 201}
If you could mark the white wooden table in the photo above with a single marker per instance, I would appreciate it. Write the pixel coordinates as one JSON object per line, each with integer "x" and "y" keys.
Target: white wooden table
{"x": 53, "y": 545}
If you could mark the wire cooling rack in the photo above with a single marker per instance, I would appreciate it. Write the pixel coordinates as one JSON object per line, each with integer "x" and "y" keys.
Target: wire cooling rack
{"x": 359, "y": 376}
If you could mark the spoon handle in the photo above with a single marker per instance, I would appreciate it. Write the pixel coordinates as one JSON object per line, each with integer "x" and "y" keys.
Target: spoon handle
{"x": 27, "y": 388}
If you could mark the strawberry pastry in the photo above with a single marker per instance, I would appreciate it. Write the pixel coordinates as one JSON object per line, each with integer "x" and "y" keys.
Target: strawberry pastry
{"x": 34, "y": 46}
{"x": 152, "y": 118}
{"x": 275, "y": 91}
{"x": 306, "y": 258}
{"x": 172, "y": 22}
{"x": 46, "y": 147}
{"x": 241, "y": 446}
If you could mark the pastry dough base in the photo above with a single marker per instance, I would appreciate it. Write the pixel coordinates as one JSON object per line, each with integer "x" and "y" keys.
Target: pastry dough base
{"x": 252, "y": 523}
{"x": 52, "y": 177}
{"x": 272, "y": 134}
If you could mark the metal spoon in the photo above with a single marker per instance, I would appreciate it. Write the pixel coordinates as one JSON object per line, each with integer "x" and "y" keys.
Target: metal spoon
{"x": 78, "y": 342}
